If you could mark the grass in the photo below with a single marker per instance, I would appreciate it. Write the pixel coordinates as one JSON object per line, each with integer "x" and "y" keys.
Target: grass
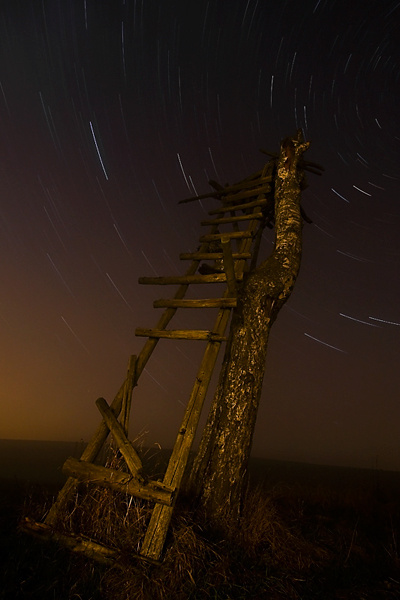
{"x": 294, "y": 542}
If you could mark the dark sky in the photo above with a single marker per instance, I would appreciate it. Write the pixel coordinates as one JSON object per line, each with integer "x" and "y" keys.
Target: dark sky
{"x": 111, "y": 112}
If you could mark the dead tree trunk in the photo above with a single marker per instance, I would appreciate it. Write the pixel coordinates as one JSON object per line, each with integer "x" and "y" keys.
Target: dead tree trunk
{"x": 218, "y": 476}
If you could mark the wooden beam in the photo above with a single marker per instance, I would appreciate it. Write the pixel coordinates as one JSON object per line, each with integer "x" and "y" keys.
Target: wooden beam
{"x": 212, "y": 255}
{"x": 216, "y": 237}
{"x": 127, "y": 396}
{"x": 252, "y": 204}
{"x": 232, "y": 219}
{"x": 228, "y": 190}
{"x": 180, "y": 334}
{"x": 118, "y": 480}
{"x": 239, "y": 196}
{"x": 128, "y": 452}
{"x": 201, "y": 303}
{"x": 77, "y": 543}
{"x": 213, "y": 278}
{"x": 228, "y": 265}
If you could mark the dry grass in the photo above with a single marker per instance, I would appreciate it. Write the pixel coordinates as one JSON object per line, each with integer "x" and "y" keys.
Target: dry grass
{"x": 292, "y": 543}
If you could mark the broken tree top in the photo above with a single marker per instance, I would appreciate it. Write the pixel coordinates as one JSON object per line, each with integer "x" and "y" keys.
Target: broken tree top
{"x": 240, "y": 194}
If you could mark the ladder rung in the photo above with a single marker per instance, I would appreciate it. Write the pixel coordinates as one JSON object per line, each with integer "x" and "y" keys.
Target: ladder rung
{"x": 212, "y": 255}
{"x": 188, "y": 279}
{"x": 119, "y": 480}
{"x": 216, "y": 237}
{"x": 180, "y": 334}
{"x": 250, "y": 217}
{"x": 231, "y": 189}
{"x": 240, "y": 196}
{"x": 203, "y": 303}
{"x": 224, "y": 209}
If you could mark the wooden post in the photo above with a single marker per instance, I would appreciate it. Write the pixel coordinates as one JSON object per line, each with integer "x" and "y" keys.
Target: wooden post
{"x": 127, "y": 397}
{"x": 128, "y": 452}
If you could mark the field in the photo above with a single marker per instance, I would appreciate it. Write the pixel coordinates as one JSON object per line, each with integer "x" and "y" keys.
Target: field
{"x": 304, "y": 537}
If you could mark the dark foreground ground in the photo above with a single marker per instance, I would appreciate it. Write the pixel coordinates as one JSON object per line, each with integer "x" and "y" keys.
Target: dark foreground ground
{"x": 306, "y": 532}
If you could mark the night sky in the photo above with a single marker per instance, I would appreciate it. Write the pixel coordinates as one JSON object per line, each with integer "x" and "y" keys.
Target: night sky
{"x": 112, "y": 111}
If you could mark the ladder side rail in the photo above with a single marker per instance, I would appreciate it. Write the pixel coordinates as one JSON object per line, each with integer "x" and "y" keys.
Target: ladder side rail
{"x": 130, "y": 383}
{"x": 161, "y": 516}
{"x": 98, "y": 439}
{"x": 157, "y": 529}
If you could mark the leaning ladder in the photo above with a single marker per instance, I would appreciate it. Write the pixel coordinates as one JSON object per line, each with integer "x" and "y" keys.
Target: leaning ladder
{"x": 253, "y": 198}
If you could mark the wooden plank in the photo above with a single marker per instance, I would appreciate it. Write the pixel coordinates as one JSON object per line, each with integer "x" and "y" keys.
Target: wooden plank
{"x": 187, "y": 279}
{"x": 232, "y": 219}
{"x": 239, "y": 196}
{"x": 228, "y": 266}
{"x": 254, "y": 175}
{"x": 230, "y": 189}
{"x": 215, "y": 237}
{"x": 77, "y": 543}
{"x": 252, "y": 204}
{"x": 212, "y": 255}
{"x": 128, "y": 452}
{"x": 200, "y": 303}
{"x": 119, "y": 481}
{"x": 180, "y": 334}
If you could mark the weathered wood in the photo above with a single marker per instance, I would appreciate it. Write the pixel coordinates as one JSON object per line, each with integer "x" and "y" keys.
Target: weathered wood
{"x": 232, "y": 219}
{"x": 215, "y": 237}
{"x": 228, "y": 266}
{"x": 254, "y": 176}
{"x": 212, "y": 255}
{"x": 97, "y": 441}
{"x": 127, "y": 395}
{"x": 187, "y": 279}
{"x": 180, "y": 334}
{"x": 101, "y": 434}
{"x": 77, "y": 543}
{"x": 228, "y": 190}
{"x": 161, "y": 515}
{"x": 252, "y": 204}
{"x": 119, "y": 481}
{"x": 130, "y": 455}
{"x": 201, "y": 303}
{"x": 239, "y": 196}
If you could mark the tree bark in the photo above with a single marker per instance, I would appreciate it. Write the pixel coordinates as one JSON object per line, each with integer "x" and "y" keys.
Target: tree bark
{"x": 218, "y": 476}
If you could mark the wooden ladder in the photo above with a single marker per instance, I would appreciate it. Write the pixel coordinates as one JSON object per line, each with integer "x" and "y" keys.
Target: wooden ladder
{"x": 253, "y": 198}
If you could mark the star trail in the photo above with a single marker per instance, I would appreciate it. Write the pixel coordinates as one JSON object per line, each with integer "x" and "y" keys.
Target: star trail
{"x": 111, "y": 112}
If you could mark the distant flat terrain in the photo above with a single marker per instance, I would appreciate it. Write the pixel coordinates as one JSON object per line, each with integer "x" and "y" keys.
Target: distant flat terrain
{"x": 41, "y": 462}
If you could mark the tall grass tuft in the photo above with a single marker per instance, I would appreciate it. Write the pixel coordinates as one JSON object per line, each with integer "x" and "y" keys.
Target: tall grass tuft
{"x": 292, "y": 543}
